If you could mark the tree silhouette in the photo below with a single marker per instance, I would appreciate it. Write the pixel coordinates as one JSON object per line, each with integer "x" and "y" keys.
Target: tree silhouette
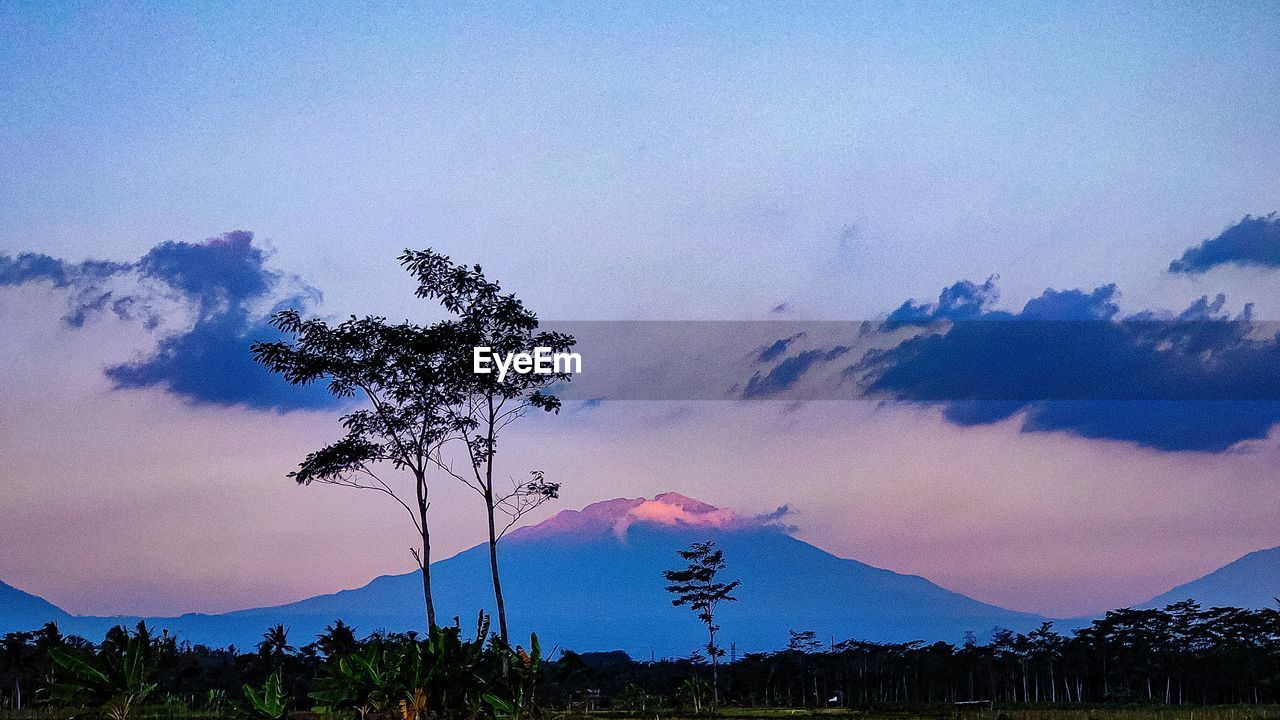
{"x": 483, "y": 405}
{"x": 1178, "y": 655}
{"x": 275, "y": 643}
{"x": 337, "y": 641}
{"x": 399, "y": 370}
{"x": 695, "y": 585}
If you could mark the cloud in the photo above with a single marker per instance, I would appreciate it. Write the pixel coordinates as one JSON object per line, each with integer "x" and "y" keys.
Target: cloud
{"x": 787, "y": 373}
{"x": 32, "y": 266}
{"x": 962, "y": 301}
{"x": 28, "y": 267}
{"x": 87, "y": 280}
{"x": 670, "y": 509}
{"x": 777, "y": 348}
{"x": 1254, "y": 241}
{"x": 1196, "y": 380}
{"x": 207, "y": 302}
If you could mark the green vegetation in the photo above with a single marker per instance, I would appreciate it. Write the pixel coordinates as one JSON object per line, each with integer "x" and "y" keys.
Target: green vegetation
{"x": 383, "y": 677}
{"x": 1179, "y": 663}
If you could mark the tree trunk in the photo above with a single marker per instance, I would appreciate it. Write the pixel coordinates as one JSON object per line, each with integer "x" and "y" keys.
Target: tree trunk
{"x": 501, "y": 606}
{"x": 493, "y": 565}
{"x": 426, "y": 583}
{"x": 425, "y": 561}
{"x": 715, "y": 665}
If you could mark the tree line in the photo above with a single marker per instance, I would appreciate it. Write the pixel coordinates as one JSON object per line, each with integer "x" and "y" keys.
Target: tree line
{"x": 1182, "y": 654}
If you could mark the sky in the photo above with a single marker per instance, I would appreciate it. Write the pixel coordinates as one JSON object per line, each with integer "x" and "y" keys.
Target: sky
{"x": 170, "y": 174}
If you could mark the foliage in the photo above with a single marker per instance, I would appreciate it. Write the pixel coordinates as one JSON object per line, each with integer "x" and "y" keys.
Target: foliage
{"x": 804, "y": 641}
{"x": 634, "y": 698}
{"x": 1133, "y": 658}
{"x": 270, "y": 703}
{"x": 403, "y": 372}
{"x": 118, "y": 679}
{"x": 337, "y": 641}
{"x": 516, "y": 679}
{"x": 695, "y": 585}
{"x": 275, "y": 645}
{"x": 445, "y": 675}
{"x": 693, "y": 694}
{"x": 480, "y": 406}
{"x": 1182, "y": 654}
{"x": 420, "y": 394}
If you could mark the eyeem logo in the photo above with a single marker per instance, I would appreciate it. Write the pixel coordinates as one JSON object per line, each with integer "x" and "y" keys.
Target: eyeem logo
{"x": 542, "y": 361}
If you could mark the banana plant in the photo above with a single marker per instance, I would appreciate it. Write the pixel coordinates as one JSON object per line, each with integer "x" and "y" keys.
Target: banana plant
{"x": 414, "y": 707}
{"x": 518, "y": 680}
{"x": 387, "y": 674}
{"x": 269, "y": 704}
{"x": 443, "y": 675}
{"x": 119, "y": 681}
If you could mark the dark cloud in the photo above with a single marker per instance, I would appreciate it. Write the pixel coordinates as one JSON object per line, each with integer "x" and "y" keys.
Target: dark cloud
{"x": 32, "y": 267}
{"x": 777, "y": 348}
{"x": 1196, "y": 380}
{"x": 29, "y": 267}
{"x": 962, "y": 301}
{"x": 213, "y": 364}
{"x": 1253, "y": 241}
{"x": 87, "y": 280}
{"x": 786, "y": 373}
{"x": 227, "y": 291}
{"x": 1055, "y": 305}
{"x": 777, "y": 519}
{"x": 220, "y": 269}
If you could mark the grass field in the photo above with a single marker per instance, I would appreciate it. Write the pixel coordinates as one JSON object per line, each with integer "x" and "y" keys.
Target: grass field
{"x": 939, "y": 712}
{"x": 1133, "y": 712}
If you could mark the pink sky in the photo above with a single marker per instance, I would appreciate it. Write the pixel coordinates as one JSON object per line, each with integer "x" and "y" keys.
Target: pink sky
{"x": 138, "y": 502}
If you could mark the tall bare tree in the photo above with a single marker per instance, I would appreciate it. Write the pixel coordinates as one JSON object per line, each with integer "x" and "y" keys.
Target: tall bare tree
{"x": 484, "y": 316}
{"x": 400, "y": 370}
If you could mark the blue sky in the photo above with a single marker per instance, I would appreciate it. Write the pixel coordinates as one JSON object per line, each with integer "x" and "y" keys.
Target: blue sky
{"x": 627, "y": 161}
{"x": 717, "y": 158}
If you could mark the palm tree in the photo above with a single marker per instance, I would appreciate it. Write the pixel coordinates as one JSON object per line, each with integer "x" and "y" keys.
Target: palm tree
{"x": 338, "y": 640}
{"x": 275, "y": 645}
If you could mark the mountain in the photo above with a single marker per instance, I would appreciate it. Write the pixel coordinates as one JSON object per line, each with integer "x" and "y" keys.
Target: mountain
{"x": 23, "y": 611}
{"x": 592, "y": 580}
{"x": 1253, "y": 581}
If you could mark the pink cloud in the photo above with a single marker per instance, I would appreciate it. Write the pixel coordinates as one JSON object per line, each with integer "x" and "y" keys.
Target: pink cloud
{"x": 618, "y": 515}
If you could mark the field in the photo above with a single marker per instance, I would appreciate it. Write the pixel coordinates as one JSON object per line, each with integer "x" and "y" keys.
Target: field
{"x": 939, "y": 712}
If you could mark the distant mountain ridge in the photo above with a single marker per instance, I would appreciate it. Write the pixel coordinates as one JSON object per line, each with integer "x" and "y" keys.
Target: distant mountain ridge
{"x": 20, "y": 610}
{"x": 591, "y": 579}
{"x": 1252, "y": 581}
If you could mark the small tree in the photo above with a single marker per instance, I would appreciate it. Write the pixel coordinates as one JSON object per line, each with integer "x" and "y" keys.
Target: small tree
{"x": 274, "y": 646}
{"x": 805, "y": 643}
{"x": 398, "y": 369}
{"x": 337, "y": 641}
{"x": 695, "y": 585}
{"x": 486, "y": 404}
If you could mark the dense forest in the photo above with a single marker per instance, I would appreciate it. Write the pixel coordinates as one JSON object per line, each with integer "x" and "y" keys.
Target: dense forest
{"x": 1182, "y": 654}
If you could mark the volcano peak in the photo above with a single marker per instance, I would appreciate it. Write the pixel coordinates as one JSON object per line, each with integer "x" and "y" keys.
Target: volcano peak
{"x": 668, "y": 509}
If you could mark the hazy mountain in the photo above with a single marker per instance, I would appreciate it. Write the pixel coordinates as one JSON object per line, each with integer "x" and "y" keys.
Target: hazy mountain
{"x": 23, "y": 611}
{"x": 1253, "y": 581}
{"x": 592, "y": 580}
